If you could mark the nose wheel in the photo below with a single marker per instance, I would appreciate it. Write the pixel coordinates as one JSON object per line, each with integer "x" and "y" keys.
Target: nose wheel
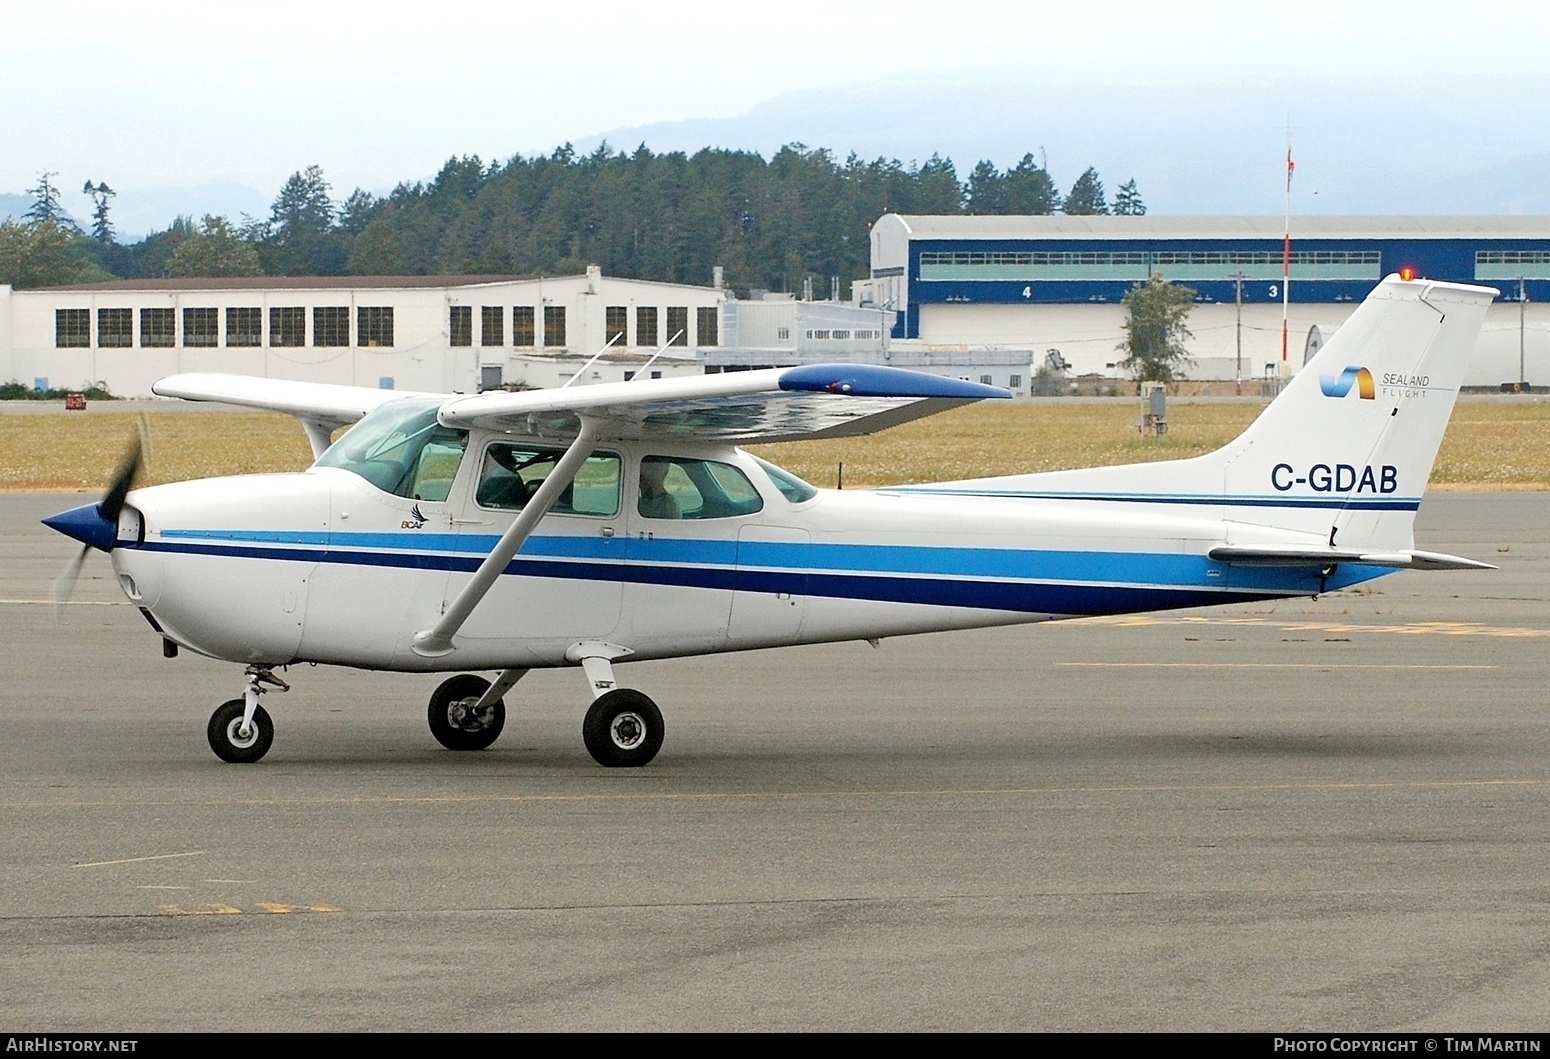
{"x": 235, "y": 742}
{"x": 240, "y": 730}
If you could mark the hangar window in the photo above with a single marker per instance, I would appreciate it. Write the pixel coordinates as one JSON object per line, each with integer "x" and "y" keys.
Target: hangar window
{"x": 244, "y": 326}
{"x": 156, "y": 327}
{"x": 492, "y": 325}
{"x": 331, "y": 325}
{"x": 460, "y": 327}
{"x": 374, "y": 325}
{"x": 288, "y": 326}
{"x": 1015, "y": 382}
{"x": 987, "y": 380}
{"x": 522, "y": 329}
{"x": 783, "y": 334}
{"x": 201, "y": 327}
{"x": 706, "y": 326}
{"x": 616, "y": 322}
{"x": 1512, "y": 264}
{"x": 72, "y": 328}
{"x": 513, "y": 473}
{"x": 115, "y": 327}
{"x": 554, "y": 325}
{"x": 678, "y": 325}
{"x": 646, "y": 326}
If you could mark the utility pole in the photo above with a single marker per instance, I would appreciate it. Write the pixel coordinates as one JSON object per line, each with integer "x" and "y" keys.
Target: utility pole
{"x": 1522, "y": 328}
{"x": 1238, "y": 369}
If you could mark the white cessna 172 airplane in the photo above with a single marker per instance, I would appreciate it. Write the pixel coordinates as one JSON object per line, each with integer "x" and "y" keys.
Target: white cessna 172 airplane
{"x": 593, "y": 525}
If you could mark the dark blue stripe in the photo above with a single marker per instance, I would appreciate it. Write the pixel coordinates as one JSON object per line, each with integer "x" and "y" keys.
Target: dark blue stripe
{"x": 1023, "y": 596}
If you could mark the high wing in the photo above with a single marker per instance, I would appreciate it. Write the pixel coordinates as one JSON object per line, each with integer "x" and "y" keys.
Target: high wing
{"x": 321, "y": 407}
{"x": 772, "y": 404}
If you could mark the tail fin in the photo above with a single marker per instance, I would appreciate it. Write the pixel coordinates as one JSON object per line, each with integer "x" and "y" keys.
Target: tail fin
{"x": 1346, "y": 450}
{"x": 1350, "y": 442}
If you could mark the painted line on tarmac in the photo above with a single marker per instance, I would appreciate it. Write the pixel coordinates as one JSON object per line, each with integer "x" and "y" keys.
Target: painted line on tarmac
{"x": 1269, "y": 665}
{"x": 138, "y": 860}
{"x": 1414, "y": 628}
{"x": 672, "y": 796}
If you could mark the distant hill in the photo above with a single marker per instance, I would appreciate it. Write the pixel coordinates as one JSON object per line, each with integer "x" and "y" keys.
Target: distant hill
{"x": 1434, "y": 144}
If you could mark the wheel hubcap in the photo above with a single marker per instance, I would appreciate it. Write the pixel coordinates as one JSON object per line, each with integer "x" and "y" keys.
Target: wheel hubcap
{"x": 462, "y": 716}
{"x": 628, "y": 730}
{"x": 235, "y": 736}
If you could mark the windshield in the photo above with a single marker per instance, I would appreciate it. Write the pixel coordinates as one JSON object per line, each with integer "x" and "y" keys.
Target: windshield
{"x": 401, "y": 449}
{"x": 794, "y": 489}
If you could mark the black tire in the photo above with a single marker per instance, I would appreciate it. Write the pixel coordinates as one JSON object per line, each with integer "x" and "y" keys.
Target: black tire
{"x": 452, "y": 721}
{"x": 623, "y": 729}
{"x": 228, "y": 744}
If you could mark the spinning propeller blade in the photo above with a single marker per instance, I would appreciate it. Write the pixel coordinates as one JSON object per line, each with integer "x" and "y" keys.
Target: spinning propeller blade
{"x": 96, "y": 525}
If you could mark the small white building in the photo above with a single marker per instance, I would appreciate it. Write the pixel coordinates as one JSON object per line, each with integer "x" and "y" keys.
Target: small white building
{"x": 438, "y": 333}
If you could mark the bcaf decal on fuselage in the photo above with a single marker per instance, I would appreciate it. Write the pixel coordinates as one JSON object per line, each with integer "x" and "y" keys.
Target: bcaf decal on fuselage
{"x": 1339, "y": 387}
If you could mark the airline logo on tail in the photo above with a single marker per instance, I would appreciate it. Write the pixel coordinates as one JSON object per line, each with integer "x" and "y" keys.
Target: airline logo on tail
{"x": 1334, "y": 387}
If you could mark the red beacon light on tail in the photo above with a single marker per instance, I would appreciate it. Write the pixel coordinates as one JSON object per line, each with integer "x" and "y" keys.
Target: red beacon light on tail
{"x": 1407, "y": 273}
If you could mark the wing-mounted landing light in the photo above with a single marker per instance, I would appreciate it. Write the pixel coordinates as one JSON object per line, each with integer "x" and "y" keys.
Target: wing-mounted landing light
{"x": 96, "y": 525}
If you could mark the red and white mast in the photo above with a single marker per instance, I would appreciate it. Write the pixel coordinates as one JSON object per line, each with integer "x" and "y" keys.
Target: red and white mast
{"x": 1286, "y": 257}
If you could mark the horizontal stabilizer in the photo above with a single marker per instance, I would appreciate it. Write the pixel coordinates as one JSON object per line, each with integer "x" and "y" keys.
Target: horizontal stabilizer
{"x": 1302, "y": 556}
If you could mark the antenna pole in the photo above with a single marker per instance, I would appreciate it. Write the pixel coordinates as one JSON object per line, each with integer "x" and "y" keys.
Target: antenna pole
{"x": 1522, "y": 327}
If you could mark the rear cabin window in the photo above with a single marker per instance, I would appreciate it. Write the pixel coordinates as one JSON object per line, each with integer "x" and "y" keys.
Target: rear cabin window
{"x": 673, "y": 487}
{"x": 512, "y": 474}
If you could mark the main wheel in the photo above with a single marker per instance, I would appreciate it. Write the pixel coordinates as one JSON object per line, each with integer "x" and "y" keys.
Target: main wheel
{"x": 623, "y": 729}
{"x": 453, "y": 720}
{"x": 226, "y": 737}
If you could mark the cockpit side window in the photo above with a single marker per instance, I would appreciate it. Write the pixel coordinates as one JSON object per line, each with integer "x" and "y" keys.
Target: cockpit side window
{"x": 512, "y": 474}
{"x": 401, "y": 449}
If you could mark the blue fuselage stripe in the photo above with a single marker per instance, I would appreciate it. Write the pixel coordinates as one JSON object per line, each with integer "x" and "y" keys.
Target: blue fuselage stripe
{"x": 1031, "y": 581}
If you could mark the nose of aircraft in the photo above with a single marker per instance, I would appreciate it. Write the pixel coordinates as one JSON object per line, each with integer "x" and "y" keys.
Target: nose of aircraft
{"x": 87, "y": 524}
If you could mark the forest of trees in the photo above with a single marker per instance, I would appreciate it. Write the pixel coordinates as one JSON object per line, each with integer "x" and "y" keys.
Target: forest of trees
{"x": 772, "y": 223}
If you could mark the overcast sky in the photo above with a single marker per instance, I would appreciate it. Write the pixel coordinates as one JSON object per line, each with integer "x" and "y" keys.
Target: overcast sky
{"x": 177, "y": 94}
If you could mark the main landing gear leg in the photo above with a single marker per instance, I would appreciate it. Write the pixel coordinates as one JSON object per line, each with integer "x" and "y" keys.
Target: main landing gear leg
{"x": 623, "y": 727}
{"x": 240, "y": 730}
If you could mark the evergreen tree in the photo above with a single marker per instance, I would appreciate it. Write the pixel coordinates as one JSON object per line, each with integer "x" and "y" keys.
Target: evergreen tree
{"x": 1086, "y": 198}
{"x": 1155, "y": 331}
{"x": 1127, "y": 203}
{"x": 987, "y": 192}
{"x": 302, "y": 240}
{"x": 45, "y": 207}
{"x": 1029, "y": 189}
{"x": 101, "y": 225}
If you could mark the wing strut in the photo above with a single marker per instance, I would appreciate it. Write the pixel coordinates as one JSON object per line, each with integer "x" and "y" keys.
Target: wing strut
{"x": 437, "y": 640}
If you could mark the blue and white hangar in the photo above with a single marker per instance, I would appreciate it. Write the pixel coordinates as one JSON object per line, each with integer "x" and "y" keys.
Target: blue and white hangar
{"x": 1055, "y": 283}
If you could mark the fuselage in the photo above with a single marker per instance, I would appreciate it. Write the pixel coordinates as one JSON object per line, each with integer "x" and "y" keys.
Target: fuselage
{"x": 327, "y": 566}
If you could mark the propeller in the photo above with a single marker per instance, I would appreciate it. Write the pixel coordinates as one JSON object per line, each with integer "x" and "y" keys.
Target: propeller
{"x": 96, "y": 525}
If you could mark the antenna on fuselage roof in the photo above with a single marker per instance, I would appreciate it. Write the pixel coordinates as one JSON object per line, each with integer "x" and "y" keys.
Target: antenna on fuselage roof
{"x": 640, "y": 372}
{"x": 593, "y": 361}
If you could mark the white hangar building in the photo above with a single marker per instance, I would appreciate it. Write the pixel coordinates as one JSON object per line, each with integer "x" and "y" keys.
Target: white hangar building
{"x": 1037, "y": 284}
{"x": 439, "y": 333}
